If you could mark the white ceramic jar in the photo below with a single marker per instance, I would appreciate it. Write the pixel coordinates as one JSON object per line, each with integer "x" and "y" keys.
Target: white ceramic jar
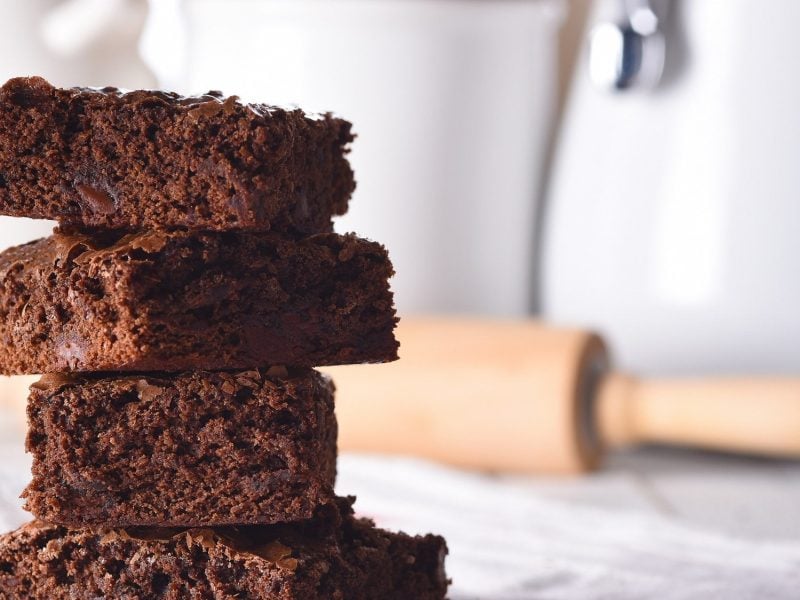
{"x": 452, "y": 101}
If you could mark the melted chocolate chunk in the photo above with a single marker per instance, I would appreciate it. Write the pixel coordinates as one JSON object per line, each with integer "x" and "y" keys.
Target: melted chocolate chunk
{"x": 97, "y": 201}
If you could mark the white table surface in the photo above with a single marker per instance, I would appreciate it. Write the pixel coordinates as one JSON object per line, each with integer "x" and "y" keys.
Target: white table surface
{"x": 655, "y": 523}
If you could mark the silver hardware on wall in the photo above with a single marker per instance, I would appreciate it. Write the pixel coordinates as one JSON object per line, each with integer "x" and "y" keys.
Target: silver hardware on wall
{"x": 626, "y": 50}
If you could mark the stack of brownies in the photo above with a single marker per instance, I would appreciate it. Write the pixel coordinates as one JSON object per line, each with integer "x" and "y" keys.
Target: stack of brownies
{"x": 183, "y": 446}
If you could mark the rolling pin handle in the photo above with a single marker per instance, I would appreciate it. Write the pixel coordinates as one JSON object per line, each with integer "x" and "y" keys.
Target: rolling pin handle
{"x": 740, "y": 414}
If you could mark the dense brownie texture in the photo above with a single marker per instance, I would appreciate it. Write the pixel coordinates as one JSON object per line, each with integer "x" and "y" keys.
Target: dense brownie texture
{"x": 351, "y": 560}
{"x": 147, "y": 159}
{"x": 180, "y": 301}
{"x": 194, "y": 449}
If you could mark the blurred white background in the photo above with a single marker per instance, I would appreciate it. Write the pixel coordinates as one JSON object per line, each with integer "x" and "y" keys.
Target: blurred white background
{"x": 673, "y": 211}
{"x": 669, "y": 218}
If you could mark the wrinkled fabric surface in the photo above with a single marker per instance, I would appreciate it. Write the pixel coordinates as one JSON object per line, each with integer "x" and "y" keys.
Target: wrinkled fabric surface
{"x": 509, "y": 542}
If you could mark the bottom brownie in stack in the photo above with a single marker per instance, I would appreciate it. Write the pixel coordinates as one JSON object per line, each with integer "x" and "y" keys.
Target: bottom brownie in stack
{"x": 334, "y": 556}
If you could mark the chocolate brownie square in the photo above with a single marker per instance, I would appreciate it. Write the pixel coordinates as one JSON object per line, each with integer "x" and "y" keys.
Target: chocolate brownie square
{"x": 196, "y": 448}
{"x": 158, "y": 301}
{"x": 346, "y": 560}
{"x": 156, "y": 160}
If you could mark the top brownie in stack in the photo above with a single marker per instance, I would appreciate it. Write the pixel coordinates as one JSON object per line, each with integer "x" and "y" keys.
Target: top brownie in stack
{"x": 153, "y": 160}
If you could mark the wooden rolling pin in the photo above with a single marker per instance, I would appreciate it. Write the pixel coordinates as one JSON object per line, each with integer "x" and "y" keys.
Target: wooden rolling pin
{"x": 522, "y": 396}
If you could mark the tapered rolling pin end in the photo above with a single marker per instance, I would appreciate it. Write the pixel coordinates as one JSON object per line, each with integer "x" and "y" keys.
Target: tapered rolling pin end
{"x": 615, "y": 413}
